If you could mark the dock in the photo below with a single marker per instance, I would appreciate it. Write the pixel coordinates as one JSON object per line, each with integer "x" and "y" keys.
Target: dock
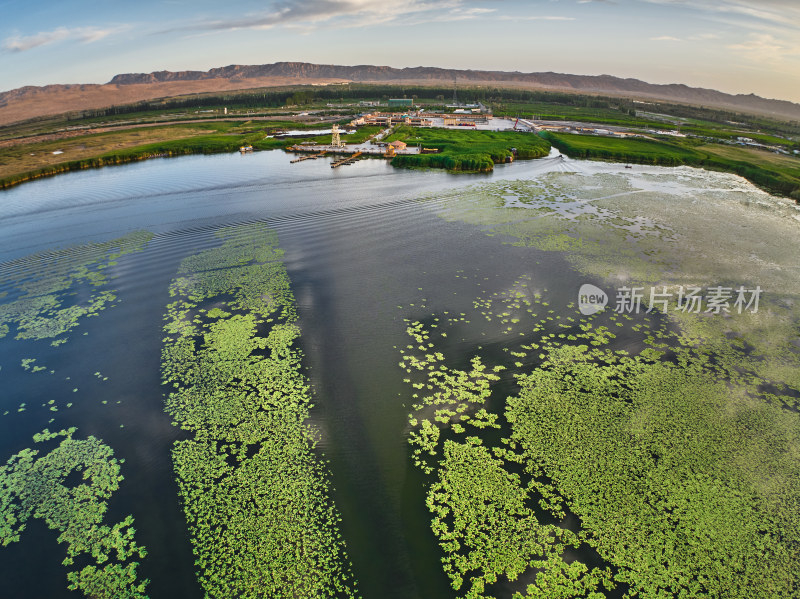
{"x": 311, "y": 157}
{"x": 351, "y": 153}
{"x": 347, "y": 160}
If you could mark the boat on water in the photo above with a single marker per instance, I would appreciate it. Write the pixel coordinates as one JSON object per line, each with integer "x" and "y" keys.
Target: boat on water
{"x": 247, "y": 148}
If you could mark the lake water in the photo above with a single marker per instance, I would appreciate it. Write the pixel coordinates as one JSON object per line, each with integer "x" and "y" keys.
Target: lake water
{"x": 362, "y": 254}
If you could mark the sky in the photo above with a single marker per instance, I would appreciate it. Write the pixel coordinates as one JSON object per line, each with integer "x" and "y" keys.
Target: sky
{"x": 735, "y": 46}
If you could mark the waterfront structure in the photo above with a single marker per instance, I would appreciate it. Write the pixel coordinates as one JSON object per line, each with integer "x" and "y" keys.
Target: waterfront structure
{"x": 335, "y": 141}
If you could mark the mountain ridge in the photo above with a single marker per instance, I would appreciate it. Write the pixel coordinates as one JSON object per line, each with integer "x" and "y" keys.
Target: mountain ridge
{"x": 131, "y": 87}
{"x": 547, "y": 79}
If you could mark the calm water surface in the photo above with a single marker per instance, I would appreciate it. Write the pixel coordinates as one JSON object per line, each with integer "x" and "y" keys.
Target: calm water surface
{"x": 357, "y": 247}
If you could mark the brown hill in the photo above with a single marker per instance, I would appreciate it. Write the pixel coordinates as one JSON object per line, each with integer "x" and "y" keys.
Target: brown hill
{"x": 28, "y": 102}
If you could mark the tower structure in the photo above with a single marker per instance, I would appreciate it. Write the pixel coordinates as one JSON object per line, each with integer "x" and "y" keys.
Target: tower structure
{"x": 335, "y": 141}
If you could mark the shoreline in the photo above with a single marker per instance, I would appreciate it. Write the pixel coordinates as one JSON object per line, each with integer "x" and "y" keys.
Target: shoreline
{"x": 184, "y": 147}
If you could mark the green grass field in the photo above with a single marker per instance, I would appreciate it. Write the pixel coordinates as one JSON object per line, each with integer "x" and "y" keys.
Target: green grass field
{"x": 641, "y": 151}
{"x": 549, "y": 111}
{"x": 469, "y": 150}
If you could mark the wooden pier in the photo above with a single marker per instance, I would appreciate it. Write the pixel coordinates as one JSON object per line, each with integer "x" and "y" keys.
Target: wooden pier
{"x": 311, "y": 157}
{"x": 347, "y": 160}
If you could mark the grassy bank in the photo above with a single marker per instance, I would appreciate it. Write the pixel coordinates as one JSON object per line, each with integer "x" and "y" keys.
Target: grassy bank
{"x": 459, "y": 150}
{"x": 468, "y": 151}
{"x": 772, "y": 172}
{"x": 550, "y": 111}
{"x": 25, "y": 162}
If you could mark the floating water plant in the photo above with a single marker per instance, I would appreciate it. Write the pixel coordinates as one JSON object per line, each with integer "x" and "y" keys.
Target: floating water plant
{"x": 485, "y": 516}
{"x": 255, "y": 495}
{"x": 33, "y": 486}
{"x": 42, "y": 304}
{"x": 678, "y": 459}
{"x": 488, "y": 529}
{"x": 684, "y": 480}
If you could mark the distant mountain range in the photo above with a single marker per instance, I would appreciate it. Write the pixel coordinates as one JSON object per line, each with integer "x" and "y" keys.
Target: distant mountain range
{"x": 32, "y": 101}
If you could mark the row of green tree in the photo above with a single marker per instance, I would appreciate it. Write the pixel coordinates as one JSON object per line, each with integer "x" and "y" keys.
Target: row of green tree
{"x": 303, "y": 95}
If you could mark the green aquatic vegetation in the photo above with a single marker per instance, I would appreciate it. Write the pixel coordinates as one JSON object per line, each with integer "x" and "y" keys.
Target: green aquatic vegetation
{"x": 484, "y": 514}
{"x": 687, "y": 227}
{"x": 559, "y": 580}
{"x": 45, "y": 306}
{"x": 32, "y": 486}
{"x": 679, "y": 460}
{"x": 487, "y": 528}
{"x": 29, "y": 365}
{"x": 255, "y": 495}
{"x": 454, "y": 393}
{"x": 685, "y": 482}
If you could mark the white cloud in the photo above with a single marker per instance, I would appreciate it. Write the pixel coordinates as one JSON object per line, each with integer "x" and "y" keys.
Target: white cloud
{"x": 763, "y": 47}
{"x": 86, "y": 35}
{"x": 441, "y": 16}
{"x": 343, "y": 13}
{"x": 705, "y": 36}
{"x": 779, "y": 12}
{"x": 28, "y": 42}
{"x": 95, "y": 35}
{"x": 535, "y": 18}
{"x": 472, "y": 12}
{"x": 775, "y": 11}
{"x": 698, "y": 37}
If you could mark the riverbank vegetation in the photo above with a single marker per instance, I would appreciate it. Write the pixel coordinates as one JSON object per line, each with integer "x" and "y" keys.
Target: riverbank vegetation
{"x": 44, "y": 158}
{"x": 471, "y": 151}
{"x": 774, "y": 173}
{"x": 255, "y": 493}
{"x": 224, "y": 122}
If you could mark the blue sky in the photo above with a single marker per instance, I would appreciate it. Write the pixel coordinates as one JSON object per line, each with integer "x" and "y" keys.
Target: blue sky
{"x": 735, "y": 46}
